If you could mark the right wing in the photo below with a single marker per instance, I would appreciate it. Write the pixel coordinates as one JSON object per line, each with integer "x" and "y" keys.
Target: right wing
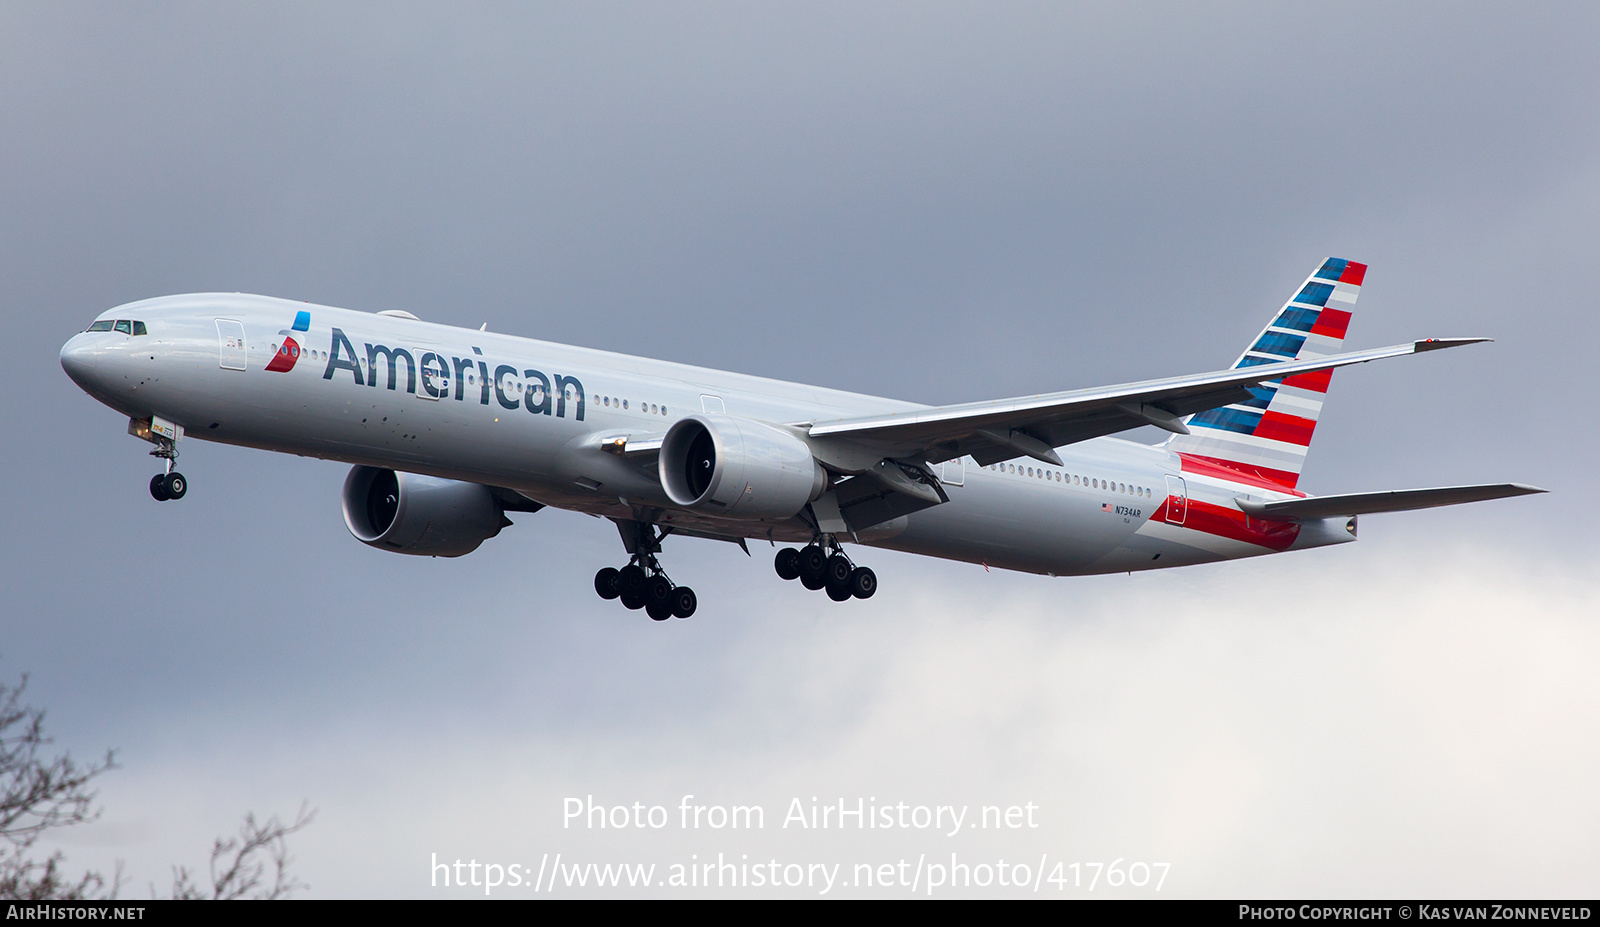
{"x": 1001, "y": 429}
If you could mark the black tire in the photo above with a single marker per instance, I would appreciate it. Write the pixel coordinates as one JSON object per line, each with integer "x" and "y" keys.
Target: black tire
{"x": 632, "y": 600}
{"x": 158, "y": 487}
{"x": 632, "y": 581}
{"x": 839, "y": 592}
{"x": 608, "y": 583}
{"x": 176, "y": 485}
{"x": 813, "y": 567}
{"x": 787, "y": 563}
{"x": 658, "y": 591}
{"x": 812, "y": 559}
{"x": 684, "y": 602}
{"x": 863, "y": 583}
{"x": 839, "y": 567}
{"x": 659, "y": 611}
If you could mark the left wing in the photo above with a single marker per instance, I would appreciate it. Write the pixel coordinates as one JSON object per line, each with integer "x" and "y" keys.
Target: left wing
{"x": 1001, "y": 429}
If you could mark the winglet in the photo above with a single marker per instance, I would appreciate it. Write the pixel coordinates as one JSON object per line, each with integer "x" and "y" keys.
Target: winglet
{"x": 1435, "y": 344}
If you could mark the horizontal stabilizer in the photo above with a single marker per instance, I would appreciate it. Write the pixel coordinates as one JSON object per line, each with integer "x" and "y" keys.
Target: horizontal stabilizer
{"x": 1367, "y": 503}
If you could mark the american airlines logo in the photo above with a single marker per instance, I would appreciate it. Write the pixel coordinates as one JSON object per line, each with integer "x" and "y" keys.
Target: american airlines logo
{"x": 289, "y": 349}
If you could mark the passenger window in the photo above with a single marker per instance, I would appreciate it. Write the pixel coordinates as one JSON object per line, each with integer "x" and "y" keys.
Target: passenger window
{"x": 124, "y": 326}
{"x": 139, "y": 329}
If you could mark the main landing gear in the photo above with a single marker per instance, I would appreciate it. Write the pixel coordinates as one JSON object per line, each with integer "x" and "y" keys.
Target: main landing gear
{"x": 816, "y": 568}
{"x": 170, "y": 484}
{"x": 643, "y": 583}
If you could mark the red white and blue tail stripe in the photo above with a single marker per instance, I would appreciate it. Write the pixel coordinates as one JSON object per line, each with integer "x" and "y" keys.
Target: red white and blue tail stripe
{"x": 1263, "y": 441}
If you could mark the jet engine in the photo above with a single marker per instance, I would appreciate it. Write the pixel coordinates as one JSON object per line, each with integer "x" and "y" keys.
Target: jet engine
{"x": 423, "y": 515}
{"x": 721, "y": 465}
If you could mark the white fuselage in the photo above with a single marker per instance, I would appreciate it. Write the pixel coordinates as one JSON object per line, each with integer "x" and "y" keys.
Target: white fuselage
{"x": 531, "y": 416}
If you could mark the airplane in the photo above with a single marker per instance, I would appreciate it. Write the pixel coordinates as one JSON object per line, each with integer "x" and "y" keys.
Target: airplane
{"x": 449, "y": 429}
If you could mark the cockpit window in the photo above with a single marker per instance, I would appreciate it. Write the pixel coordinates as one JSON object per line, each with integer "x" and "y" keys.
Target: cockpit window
{"x": 126, "y": 326}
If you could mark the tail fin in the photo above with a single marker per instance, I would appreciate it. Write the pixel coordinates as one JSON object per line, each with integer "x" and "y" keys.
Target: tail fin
{"x": 1263, "y": 441}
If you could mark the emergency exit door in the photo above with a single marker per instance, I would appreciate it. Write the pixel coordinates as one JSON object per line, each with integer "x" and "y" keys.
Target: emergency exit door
{"x": 1177, "y": 500}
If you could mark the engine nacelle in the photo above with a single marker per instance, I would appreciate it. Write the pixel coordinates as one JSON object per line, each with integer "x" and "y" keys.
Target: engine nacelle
{"x": 423, "y": 515}
{"x": 722, "y": 465}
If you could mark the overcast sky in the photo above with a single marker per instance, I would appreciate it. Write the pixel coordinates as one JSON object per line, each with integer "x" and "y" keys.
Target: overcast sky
{"x": 930, "y": 202}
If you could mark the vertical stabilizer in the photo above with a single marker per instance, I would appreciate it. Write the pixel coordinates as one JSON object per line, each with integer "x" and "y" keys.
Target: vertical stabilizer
{"x": 1263, "y": 441}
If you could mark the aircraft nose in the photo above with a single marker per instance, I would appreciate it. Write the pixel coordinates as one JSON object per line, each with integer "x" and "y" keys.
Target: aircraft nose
{"x": 78, "y": 360}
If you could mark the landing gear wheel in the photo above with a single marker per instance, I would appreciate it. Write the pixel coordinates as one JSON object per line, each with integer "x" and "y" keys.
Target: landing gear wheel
{"x": 813, "y": 567}
{"x": 787, "y": 563}
{"x": 863, "y": 583}
{"x": 838, "y": 570}
{"x": 659, "y": 611}
{"x": 632, "y": 600}
{"x": 659, "y": 591}
{"x": 839, "y": 592}
{"x": 158, "y": 487}
{"x": 684, "y": 601}
{"x": 608, "y": 583}
{"x": 632, "y": 580}
{"x": 175, "y": 485}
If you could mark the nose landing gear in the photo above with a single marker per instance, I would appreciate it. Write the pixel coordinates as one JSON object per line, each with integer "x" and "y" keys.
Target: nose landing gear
{"x": 816, "y": 568}
{"x": 170, "y": 484}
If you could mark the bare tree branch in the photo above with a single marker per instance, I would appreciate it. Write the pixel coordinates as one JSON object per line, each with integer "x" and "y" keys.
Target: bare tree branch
{"x": 24, "y": 879}
{"x": 37, "y": 795}
{"x": 239, "y": 864}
